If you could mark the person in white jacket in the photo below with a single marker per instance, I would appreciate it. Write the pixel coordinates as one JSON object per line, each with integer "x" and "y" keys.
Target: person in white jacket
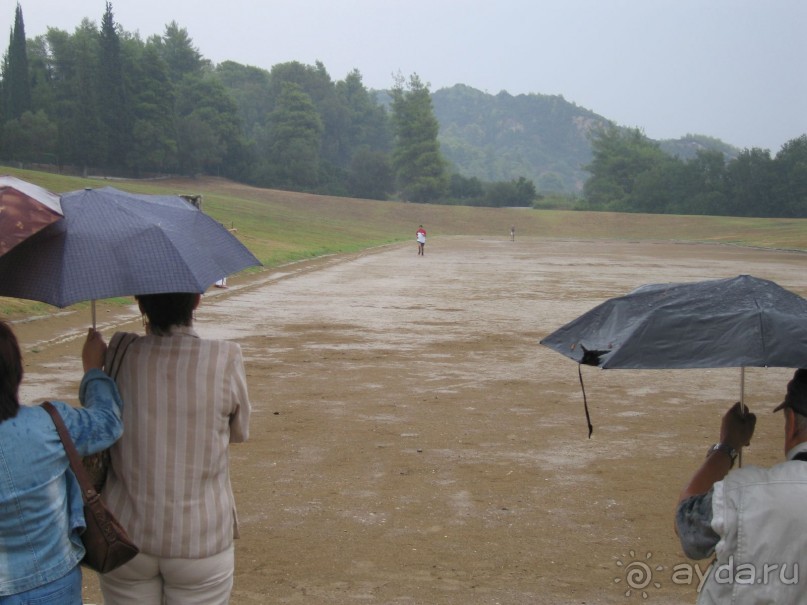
{"x": 752, "y": 519}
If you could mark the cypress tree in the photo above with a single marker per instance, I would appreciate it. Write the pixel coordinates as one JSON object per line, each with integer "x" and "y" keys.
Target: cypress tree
{"x": 17, "y": 86}
{"x": 115, "y": 114}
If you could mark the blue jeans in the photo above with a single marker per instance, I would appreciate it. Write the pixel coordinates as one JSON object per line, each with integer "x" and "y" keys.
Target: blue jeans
{"x": 64, "y": 591}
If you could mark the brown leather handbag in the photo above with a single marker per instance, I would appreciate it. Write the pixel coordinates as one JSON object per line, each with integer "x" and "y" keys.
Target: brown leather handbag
{"x": 106, "y": 543}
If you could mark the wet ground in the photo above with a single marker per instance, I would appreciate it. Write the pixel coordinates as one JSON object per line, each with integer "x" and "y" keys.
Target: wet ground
{"x": 413, "y": 443}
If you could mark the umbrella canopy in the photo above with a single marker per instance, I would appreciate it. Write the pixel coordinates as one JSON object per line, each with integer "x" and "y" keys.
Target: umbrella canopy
{"x": 113, "y": 243}
{"x": 740, "y": 322}
{"x": 25, "y": 208}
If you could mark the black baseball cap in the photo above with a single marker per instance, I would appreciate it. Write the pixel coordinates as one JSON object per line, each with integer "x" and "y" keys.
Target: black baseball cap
{"x": 796, "y": 398}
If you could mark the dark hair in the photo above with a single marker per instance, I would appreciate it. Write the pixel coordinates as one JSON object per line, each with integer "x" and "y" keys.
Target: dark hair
{"x": 167, "y": 310}
{"x": 10, "y": 372}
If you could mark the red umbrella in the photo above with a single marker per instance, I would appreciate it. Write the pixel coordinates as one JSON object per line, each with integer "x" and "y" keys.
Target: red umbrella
{"x": 25, "y": 208}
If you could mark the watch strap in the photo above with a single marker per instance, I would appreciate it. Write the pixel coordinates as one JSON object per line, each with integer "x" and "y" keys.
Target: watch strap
{"x": 723, "y": 447}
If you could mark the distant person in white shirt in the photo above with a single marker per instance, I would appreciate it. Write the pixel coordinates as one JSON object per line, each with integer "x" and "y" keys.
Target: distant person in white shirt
{"x": 420, "y": 235}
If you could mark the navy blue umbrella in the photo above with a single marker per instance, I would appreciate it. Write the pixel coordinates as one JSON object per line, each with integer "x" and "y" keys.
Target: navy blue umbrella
{"x": 113, "y": 243}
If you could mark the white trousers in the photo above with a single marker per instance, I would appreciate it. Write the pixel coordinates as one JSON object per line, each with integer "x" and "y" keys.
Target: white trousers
{"x": 149, "y": 580}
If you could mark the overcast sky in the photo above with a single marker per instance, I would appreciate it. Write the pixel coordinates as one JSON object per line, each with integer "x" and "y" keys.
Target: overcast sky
{"x": 731, "y": 69}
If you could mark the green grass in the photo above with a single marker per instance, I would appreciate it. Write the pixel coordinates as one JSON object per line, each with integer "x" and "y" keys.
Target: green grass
{"x": 281, "y": 227}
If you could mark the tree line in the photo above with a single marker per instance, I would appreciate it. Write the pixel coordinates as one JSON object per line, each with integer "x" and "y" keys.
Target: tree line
{"x": 630, "y": 173}
{"x": 102, "y": 99}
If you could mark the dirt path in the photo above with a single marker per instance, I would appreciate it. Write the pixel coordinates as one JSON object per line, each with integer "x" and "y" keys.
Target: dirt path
{"x": 412, "y": 443}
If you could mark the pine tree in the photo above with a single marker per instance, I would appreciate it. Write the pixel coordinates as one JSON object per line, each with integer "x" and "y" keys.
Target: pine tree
{"x": 16, "y": 84}
{"x": 177, "y": 50}
{"x": 420, "y": 168}
{"x": 81, "y": 136}
{"x": 115, "y": 111}
{"x": 296, "y": 134}
{"x": 154, "y": 144}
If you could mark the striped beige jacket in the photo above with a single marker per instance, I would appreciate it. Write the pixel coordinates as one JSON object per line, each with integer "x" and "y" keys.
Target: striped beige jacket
{"x": 185, "y": 400}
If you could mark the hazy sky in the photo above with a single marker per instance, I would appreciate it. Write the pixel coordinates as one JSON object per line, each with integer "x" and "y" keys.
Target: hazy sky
{"x": 731, "y": 69}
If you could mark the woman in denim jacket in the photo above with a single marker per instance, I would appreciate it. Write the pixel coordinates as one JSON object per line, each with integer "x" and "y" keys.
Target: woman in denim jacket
{"x": 41, "y": 510}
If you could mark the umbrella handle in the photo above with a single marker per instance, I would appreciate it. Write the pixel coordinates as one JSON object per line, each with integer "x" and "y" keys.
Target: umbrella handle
{"x": 742, "y": 409}
{"x": 742, "y": 389}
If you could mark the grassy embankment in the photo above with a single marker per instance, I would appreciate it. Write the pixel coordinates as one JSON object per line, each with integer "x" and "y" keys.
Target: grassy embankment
{"x": 280, "y": 227}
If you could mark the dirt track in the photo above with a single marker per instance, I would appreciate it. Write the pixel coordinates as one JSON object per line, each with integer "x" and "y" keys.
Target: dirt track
{"x": 412, "y": 443}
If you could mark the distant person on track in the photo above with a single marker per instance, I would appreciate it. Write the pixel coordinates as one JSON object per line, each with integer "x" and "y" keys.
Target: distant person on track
{"x": 513, "y": 233}
{"x": 420, "y": 235}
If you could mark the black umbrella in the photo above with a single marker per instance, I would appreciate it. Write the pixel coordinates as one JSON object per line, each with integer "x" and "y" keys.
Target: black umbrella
{"x": 740, "y": 322}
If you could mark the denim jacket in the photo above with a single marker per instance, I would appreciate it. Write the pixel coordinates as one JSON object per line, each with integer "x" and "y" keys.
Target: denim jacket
{"x": 41, "y": 510}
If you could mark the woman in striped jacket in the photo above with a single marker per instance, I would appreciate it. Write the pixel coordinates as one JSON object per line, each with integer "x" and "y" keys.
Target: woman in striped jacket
{"x": 185, "y": 400}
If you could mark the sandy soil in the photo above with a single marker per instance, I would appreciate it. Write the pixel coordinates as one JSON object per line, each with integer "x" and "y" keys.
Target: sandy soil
{"x": 413, "y": 443}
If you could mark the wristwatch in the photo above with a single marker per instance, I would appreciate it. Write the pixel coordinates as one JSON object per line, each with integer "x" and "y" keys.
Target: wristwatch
{"x": 723, "y": 447}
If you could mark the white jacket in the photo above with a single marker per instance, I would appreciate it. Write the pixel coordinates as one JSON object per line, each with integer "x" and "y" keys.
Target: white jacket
{"x": 760, "y": 515}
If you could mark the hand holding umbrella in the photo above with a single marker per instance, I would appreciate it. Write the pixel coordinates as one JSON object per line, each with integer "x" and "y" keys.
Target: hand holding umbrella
{"x": 736, "y": 430}
{"x": 737, "y": 427}
{"x": 92, "y": 355}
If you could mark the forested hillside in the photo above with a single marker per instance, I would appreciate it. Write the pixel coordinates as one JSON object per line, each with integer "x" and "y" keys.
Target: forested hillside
{"x": 544, "y": 138}
{"x": 101, "y": 100}
{"x": 502, "y": 137}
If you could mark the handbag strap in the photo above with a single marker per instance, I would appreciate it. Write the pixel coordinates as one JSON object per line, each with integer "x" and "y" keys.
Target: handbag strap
{"x": 118, "y": 345}
{"x": 87, "y": 490}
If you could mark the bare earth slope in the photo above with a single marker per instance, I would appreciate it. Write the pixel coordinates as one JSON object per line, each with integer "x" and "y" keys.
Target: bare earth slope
{"x": 412, "y": 443}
